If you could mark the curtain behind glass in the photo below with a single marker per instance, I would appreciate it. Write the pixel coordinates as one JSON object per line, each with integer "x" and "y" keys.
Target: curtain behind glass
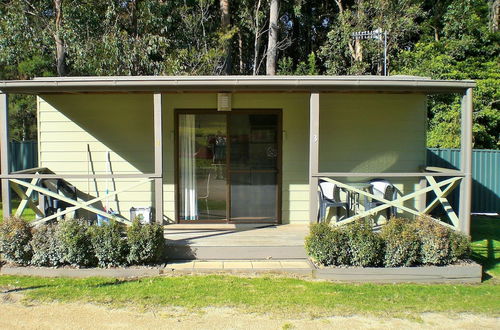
{"x": 187, "y": 164}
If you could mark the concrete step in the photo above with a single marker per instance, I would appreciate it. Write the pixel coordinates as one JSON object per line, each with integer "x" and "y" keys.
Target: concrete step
{"x": 187, "y": 252}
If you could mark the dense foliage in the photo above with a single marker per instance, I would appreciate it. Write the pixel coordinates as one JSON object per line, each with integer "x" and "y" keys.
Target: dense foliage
{"x": 109, "y": 244}
{"x": 443, "y": 39}
{"x": 79, "y": 244}
{"x": 401, "y": 242}
{"x": 327, "y": 246}
{"x": 46, "y": 246}
{"x": 15, "y": 235}
{"x": 146, "y": 243}
{"x": 365, "y": 247}
{"x": 439, "y": 245}
{"x": 75, "y": 243}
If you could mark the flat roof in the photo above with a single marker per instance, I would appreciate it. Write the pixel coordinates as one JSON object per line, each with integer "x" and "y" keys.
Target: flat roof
{"x": 411, "y": 84}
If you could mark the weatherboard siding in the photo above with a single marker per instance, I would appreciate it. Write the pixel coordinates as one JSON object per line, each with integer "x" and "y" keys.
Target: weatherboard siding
{"x": 359, "y": 132}
{"x": 120, "y": 124}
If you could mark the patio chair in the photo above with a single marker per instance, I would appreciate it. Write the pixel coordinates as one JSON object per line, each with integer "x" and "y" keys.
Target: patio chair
{"x": 207, "y": 194}
{"x": 384, "y": 189}
{"x": 329, "y": 196}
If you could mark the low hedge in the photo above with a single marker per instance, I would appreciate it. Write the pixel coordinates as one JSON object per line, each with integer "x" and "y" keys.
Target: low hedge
{"x": 77, "y": 243}
{"x": 401, "y": 242}
{"x": 146, "y": 243}
{"x": 327, "y": 246}
{"x": 109, "y": 244}
{"x": 440, "y": 245}
{"x": 46, "y": 246}
{"x": 365, "y": 246}
{"x": 15, "y": 236}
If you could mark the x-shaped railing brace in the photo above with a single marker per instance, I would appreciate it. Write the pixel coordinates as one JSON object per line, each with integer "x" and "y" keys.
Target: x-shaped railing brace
{"x": 77, "y": 205}
{"x": 398, "y": 202}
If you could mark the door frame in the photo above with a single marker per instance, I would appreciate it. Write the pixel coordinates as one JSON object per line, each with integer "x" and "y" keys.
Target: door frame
{"x": 279, "y": 183}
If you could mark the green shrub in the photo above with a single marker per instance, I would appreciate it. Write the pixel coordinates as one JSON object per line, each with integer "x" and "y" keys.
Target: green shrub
{"x": 15, "y": 235}
{"x": 440, "y": 245}
{"x": 327, "y": 245}
{"x": 46, "y": 247}
{"x": 365, "y": 247}
{"x": 401, "y": 243}
{"x": 109, "y": 244}
{"x": 460, "y": 247}
{"x": 76, "y": 244}
{"x": 146, "y": 243}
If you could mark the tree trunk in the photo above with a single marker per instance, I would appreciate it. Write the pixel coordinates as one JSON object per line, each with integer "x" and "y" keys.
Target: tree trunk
{"x": 60, "y": 47}
{"x": 225, "y": 23}
{"x": 273, "y": 39}
{"x": 256, "y": 42}
{"x": 495, "y": 15}
{"x": 240, "y": 52}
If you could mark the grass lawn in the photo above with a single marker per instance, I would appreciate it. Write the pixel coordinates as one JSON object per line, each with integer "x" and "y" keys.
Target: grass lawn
{"x": 485, "y": 232}
{"x": 285, "y": 295}
{"x": 265, "y": 294}
{"x": 28, "y": 213}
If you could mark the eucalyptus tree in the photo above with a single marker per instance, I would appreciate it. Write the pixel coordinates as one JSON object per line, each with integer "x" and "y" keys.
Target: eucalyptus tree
{"x": 344, "y": 55}
{"x": 272, "y": 40}
{"x": 466, "y": 49}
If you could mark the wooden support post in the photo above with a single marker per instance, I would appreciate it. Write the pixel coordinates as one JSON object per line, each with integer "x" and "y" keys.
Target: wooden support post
{"x": 466, "y": 162}
{"x": 313, "y": 156}
{"x": 158, "y": 152}
{"x": 422, "y": 201}
{"x": 4, "y": 149}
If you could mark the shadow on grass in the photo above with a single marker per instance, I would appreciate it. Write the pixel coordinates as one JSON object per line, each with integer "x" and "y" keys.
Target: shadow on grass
{"x": 115, "y": 282}
{"x": 34, "y": 287}
{"x": 485, "y": 232}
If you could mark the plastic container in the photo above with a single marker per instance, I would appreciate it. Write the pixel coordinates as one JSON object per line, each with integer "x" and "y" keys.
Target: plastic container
{"x": 144, "y": 214}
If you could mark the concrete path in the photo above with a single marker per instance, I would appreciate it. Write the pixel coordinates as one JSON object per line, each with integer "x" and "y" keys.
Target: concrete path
{"x": 243, "y": 265}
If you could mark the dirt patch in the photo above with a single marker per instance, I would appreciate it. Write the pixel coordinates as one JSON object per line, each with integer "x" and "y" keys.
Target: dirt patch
{"x": 16, "y": 315}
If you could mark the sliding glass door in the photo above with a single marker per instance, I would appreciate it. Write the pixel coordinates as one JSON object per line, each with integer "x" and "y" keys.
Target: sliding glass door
{"x": 202, "y": 165}
{"x": 228, "y": 166}
{"x": 253, "y": 167}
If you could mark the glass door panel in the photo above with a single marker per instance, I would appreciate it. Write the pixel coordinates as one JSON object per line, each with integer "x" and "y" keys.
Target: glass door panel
{"x": 253, "y": 167}
{"x": 202, "y": 167}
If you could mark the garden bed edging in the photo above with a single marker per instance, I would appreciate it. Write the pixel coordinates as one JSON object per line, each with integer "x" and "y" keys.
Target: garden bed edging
{"x": 461, "y": 273}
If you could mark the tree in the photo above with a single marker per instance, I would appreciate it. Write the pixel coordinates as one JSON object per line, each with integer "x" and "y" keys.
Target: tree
{"x": 343, "y": 55}
{"x": 272, "y": 42}
{"x": 60, "y": 46}
{"x": 466, "y": 50}
{"x": 442, "y": 39}
{"x": 226, "y": 26}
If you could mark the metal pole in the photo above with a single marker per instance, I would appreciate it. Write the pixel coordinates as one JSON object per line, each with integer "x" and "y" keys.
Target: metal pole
{"x": 466, "y": 162}
{"x": 4, "y": 147}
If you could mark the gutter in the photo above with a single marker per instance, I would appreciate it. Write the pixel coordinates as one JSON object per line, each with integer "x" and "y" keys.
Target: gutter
{"x": 234, "y": 84}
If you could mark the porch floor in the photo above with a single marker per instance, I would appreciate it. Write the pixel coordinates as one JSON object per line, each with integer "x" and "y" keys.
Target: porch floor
{"x": 235, "y": 242}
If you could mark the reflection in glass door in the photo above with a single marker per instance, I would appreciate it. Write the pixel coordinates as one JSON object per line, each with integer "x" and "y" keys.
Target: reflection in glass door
{"x": 253, "y": 167}
{"x": 202, "y": 167}
{"x": 228, "y": 167}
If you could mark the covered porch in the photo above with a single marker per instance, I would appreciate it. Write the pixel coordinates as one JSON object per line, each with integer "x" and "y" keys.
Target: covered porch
{"x": 343, "y": 130}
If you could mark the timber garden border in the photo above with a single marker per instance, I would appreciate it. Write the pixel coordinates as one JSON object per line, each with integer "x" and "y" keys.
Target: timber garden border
{"x": 470, "y": 272}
